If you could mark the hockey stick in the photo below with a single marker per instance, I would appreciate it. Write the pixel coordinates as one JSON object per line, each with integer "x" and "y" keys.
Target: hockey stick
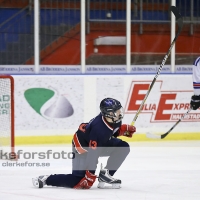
{"x": 180, "y": 25}
{"x": 150, "y": 135}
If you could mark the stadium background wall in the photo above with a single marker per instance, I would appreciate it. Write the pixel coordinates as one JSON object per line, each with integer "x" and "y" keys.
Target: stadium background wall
{"x": 41, "y": 100}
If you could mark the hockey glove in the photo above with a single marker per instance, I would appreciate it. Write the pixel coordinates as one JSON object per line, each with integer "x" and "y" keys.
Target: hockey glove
{"x": 86, "y": 182}
{"x": 127, "y": 130}
{"x": 195, "y": 102}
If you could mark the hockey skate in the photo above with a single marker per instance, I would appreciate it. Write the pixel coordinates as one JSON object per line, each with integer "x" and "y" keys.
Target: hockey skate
{"x": 40, "y": 181}
{"x": 105, "y": 178}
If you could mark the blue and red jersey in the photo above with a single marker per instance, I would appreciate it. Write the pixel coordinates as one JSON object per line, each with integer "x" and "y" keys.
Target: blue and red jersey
{"x": 97, "y": 133}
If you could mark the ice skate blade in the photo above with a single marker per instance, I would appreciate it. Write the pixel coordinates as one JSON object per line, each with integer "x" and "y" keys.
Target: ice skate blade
{"x": 102, "y": 185}
{"x": 35, "y": 182}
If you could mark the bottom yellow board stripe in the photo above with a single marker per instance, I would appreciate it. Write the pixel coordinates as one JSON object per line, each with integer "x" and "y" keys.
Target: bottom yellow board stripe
{"x": 67, "y": 139}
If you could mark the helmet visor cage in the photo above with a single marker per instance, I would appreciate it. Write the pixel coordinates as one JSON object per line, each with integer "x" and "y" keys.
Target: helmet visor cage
{"x": 112, "y": 108}
{"x": 118, "y": 114}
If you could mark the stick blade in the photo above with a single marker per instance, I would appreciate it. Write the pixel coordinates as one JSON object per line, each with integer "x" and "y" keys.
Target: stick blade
{"x": 153, "y": 136}
{"x": 176, "y": 12}
{"x": 178, "y": 17}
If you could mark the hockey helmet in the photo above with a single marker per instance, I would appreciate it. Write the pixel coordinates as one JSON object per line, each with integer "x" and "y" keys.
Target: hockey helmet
{"x": 112, "y": 109}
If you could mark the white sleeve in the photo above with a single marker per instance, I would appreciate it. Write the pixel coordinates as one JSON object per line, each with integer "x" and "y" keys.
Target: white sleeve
{"x": 196, "y": 76}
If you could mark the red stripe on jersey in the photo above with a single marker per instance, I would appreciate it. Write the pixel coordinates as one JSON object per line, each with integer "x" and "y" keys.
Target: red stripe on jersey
{"x": 106, "y": 123}
{"x": 77, "y": 145}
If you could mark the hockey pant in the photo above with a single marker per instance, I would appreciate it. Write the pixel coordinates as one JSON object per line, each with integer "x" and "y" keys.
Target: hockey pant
{"x": 116, "y": 158}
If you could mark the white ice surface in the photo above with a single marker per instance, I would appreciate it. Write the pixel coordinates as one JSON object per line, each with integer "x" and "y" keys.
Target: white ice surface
{"x": 152, "y": 171}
